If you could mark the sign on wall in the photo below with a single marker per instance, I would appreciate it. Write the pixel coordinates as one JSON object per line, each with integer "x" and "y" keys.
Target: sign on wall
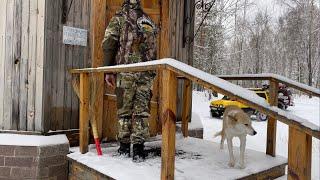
{"x": 75, "y": 36}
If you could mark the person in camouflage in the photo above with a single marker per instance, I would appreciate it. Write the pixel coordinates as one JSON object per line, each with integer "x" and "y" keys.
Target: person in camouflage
{"x": 131, "y": 38}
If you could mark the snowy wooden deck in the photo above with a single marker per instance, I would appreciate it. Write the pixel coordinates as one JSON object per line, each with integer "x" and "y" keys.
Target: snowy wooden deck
{"x": 195, "y": 159}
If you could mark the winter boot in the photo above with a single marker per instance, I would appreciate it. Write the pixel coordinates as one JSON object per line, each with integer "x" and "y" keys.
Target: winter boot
{"x": 138, "y": 153}
{"x": 124, "y": 149}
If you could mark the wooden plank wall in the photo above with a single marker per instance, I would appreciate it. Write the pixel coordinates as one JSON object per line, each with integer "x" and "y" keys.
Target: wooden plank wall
{"x": 181, "y": 31}
{"x": 35, "y": 86}
{"x": 22, "y": 39}
{"x": 3, "y": 17}
{"x": 61, "y": 105}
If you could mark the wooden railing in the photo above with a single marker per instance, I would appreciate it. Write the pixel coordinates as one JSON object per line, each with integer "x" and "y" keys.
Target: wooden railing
{"x": 274, "y": 77}
{"x": 300, "y": 133}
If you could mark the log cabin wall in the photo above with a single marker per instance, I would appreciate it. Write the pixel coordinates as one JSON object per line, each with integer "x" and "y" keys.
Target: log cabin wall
{"x": 21, "y": 64}
{"x": 35, "y": 88}
{"x": 182, "y": 30}
{"x": 181, "y": 36}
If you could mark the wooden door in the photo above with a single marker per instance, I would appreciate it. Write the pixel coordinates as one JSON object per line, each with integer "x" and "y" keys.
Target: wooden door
{"x": 152, "y": 8}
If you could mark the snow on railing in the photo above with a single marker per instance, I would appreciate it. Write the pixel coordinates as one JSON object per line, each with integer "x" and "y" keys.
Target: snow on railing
{"x": 210, "y": 81}
{"x": 281, "y": 79}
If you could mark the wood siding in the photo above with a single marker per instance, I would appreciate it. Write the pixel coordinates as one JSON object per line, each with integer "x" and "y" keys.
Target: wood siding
{"x": 181, "y": 23}
{"x": 21, "y": 64}
{"x": 61, "y": 105}
{"x": 36, "y": 91}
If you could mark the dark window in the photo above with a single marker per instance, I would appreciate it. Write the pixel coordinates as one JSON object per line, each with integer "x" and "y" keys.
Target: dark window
{"x": 226, "y": 98}
{"x": 263, "y": 95}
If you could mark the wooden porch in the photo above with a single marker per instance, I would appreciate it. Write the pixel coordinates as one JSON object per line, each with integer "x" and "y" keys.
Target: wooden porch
{"x": 299, "y": 129}
{"x": 195, "y": 159}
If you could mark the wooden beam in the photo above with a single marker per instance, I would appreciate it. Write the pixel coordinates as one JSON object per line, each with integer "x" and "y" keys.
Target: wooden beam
{"x": 96, "y": 108}
{"x": 39, "y": 102}
{"x": 168, "y": 115}
{"x": 165, "y": 29}
{"x": 16, "y": 65}
{"x": 8, "y": 66}
{"x": 84, "y": 112}
{"x": 299, "y": 155}
{"x": 272, "y": 122}
{"x": 24, "y": 65}
{"x": 3, "y": 17}
{"x": 186, "y": 106}
{"x": 97, "y": 29}
{"x": 32, "y": 66}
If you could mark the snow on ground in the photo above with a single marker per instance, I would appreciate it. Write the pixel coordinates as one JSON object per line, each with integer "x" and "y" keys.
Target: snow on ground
{"x": 304, "y": 107}
{"x": 195, "y": 159}
{"x": 31, "y": 140}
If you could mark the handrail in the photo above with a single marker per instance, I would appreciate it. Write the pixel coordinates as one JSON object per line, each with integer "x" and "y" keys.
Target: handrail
{"x": 270, "y": 76}
{"x": 212, "y": 82}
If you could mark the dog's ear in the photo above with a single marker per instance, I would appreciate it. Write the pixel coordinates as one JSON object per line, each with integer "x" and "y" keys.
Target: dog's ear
{"x": 232, "y": 118}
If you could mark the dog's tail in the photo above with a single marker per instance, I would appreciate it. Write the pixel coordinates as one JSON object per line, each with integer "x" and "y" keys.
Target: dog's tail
{"x": 218, "y": 134}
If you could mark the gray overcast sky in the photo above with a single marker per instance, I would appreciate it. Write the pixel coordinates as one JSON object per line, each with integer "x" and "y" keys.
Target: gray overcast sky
{"x": 273, "y": 8}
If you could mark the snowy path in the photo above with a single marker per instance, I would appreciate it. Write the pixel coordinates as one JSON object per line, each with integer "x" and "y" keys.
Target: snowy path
{"x": 304, "y": 107}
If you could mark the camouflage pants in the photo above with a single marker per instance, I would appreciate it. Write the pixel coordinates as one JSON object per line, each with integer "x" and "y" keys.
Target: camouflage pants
{"x": 134, "y": 93}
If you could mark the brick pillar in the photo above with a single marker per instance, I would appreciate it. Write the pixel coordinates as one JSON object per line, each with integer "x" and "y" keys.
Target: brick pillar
{"x": 34, "y": 162}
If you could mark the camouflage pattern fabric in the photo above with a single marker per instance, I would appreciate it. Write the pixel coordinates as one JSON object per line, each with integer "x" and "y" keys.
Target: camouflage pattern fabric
{"x": 131, "y": 38}
{"x": 134, "y": 93}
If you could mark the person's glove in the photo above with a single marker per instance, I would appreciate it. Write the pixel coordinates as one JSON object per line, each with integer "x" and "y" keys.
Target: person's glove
{"x": 110, "y": 80}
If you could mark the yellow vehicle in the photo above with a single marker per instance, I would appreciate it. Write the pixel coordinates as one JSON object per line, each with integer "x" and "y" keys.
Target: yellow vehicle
{"x": 217, "y": 107}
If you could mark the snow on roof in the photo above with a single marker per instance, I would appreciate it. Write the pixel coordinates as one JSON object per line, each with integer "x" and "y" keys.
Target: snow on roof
{"x": 32, "y": 140}
{"x": 195, "y": 159}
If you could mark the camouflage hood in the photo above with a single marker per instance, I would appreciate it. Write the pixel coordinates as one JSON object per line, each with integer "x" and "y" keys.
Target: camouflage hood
{"x": 138, "y": 36}
{"x": 132, "y": 4}
{"x": 131, "y": 36}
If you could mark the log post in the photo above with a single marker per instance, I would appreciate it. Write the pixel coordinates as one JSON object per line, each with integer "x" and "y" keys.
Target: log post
{"x": 97, "y": 29}
{"x": 84, "y": 112}
{"x": 168, "y": 118}
{"x": 96, "y": 103}
{"x": 272, "y": 122}
{"x": 299, "y": 155}
{"x": 186, "y": 106}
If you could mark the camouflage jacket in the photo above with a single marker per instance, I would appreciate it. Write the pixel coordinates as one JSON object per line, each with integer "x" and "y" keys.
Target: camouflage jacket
{"x": 129, "y": 38}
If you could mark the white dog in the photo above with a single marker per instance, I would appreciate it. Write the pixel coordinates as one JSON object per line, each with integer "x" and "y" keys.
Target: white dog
{"x": 235, "y": 123}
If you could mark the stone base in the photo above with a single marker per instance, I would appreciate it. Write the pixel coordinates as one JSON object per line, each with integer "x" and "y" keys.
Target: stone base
{"x": 34, "y": 162}
{"x": 196, "y": 133}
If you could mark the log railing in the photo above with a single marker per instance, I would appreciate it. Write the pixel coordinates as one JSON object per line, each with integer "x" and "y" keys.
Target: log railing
{"x": 277, "y": 78}
{"x": 300, "y": 134}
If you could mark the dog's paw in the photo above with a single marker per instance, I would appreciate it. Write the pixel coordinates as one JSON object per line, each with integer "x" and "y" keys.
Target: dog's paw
{"x": 231, "y": 164}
